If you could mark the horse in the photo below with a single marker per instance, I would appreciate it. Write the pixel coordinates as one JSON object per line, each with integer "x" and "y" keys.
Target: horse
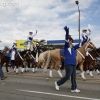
{"x": 33, "y": 60}
{"x": 21, "y": 60}
{"x": 91, "y": 61}
{"x": 43, "y": 58}
{"x": 57, "y": 58}
{"x": 97, "y": 67}
{"x": 5, "y": 58}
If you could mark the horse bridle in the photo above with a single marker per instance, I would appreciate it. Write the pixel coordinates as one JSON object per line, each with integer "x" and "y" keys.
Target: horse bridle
{"x": 20, "y": 56}
{"x": 85, "y": 49}
{"x": 88, "y": 45}
{"x": 97, "y": 53}
{"x": 93, "y": 57}
{"x": 31, "y": 55}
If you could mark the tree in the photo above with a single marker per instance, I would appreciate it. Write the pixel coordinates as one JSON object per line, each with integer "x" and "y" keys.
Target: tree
{"x": 6, "y": 48}
{"x": 45, "y": 46}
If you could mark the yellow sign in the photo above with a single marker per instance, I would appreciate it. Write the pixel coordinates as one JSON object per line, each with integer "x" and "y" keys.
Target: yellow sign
{"x": 21, "y": 44}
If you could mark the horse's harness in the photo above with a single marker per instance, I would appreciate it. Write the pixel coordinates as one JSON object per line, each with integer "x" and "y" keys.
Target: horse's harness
{"x": 31, "y": 56}
{"x": 93, "y": 57}
{"x": 81, "y": 54}
{"x": 20, "y": 56}
{"x": 88, "y": 45}
{"x": 85, "y": 49}
{"x": 24, "y": 56}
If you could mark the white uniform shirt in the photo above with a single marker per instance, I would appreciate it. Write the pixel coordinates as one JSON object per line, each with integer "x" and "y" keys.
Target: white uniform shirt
{"x": 30, "y": 37}
{"x": 85, "y": 35}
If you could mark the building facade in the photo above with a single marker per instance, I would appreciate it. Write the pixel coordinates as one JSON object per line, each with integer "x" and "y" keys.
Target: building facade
{"x": 21, "y": 44}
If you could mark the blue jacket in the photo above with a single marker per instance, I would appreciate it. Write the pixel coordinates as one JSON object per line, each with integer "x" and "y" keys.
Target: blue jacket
{"x": 70, "y": 53}
{"x": 14, "y": 47}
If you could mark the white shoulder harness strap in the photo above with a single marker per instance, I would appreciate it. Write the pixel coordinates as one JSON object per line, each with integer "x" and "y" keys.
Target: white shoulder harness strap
{"x": 91, "y": 56}
{"x": 20, "y": 56}
{"x": 81, "y": 54}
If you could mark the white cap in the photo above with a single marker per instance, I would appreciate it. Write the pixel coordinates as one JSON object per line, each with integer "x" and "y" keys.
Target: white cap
{"x": 84, "y": 29}
{"x": 15, "y": 42}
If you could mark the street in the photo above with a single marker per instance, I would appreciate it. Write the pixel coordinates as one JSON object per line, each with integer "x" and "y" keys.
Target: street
{"x": 38, "y": 86}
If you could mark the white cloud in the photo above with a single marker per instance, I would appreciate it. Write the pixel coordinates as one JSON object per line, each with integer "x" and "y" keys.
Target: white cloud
{"x": 48, "y": 17}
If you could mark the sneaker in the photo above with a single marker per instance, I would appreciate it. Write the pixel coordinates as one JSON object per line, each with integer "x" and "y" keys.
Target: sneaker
{"x": 76, "y": 90}
{"x": 56, "y": 86}
{"x": 4, "y": 77}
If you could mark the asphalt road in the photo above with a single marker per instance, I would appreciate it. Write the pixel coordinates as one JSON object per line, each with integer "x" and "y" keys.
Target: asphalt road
{"x": 38, "y": 86}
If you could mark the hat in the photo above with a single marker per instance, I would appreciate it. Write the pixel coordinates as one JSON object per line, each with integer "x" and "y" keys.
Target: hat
{"x": 84, "y": 30}
{"x": 15, "y": 42}
{"x": 69, "y": 35}
{"x": 71, "y": 39}
{"x": 37, "y": 43}
{"x": 31, "y": 32}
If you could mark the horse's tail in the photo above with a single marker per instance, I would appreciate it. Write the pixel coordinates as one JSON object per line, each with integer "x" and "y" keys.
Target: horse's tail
{"x": 48, "y": 60}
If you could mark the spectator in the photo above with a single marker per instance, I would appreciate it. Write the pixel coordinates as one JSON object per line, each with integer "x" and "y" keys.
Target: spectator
{"x": 1, "y": 73}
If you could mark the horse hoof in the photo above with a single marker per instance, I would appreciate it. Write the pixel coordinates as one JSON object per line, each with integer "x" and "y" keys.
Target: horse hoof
{"x": 16, "y": 73}
{"x": 98, "y": 73}
{"x": 8, "y": 72}
{"x": 21, "y": 72}
{"x": 51, "y": 76}
{"x": 45, "y": 71}
{"x": 84, "y": 79}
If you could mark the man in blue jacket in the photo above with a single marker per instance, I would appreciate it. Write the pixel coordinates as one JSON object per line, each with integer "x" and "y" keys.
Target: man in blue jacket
{"x": 70, "y": 54}
{"x": 2, "y": 74}
{"x": 1, "y": 71}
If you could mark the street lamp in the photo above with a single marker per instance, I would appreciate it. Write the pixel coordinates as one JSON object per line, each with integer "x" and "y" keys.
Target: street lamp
{"x": 77, "y": 2}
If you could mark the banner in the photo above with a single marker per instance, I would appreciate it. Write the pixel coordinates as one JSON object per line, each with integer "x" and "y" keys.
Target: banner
{"x": 21, "y": 44}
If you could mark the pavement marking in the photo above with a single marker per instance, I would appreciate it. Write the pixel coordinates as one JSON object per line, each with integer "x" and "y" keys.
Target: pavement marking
{"x": 60, "y": 95}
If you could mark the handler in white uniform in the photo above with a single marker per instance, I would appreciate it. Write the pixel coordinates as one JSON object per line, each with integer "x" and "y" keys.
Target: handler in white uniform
{"x": 14, "y": 49}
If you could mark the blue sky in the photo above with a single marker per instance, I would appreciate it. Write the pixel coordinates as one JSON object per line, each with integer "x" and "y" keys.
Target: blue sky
{"x": 18, "y": 17}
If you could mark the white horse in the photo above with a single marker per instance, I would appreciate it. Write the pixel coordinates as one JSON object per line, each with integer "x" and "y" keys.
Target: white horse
{"x": 43, "y": 58}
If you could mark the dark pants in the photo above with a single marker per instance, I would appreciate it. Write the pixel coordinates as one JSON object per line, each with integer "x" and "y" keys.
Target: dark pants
{"x": 1, "y": 72}
{"x": 84, "y": 42}
{"x": 70, "y": 72}
{"x": 13, "y": 63}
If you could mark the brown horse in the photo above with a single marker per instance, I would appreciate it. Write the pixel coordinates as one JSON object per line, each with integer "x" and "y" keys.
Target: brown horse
{"x": 91, "y": 61}
{"x": 56, "y": 58}
{"x": 97, "y": 67}
{"x": 34, "y": 59}
{"x": 21, "y": 60}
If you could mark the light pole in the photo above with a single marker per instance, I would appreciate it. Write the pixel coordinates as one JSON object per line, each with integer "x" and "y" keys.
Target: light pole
{"x": 77, "y": 2}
